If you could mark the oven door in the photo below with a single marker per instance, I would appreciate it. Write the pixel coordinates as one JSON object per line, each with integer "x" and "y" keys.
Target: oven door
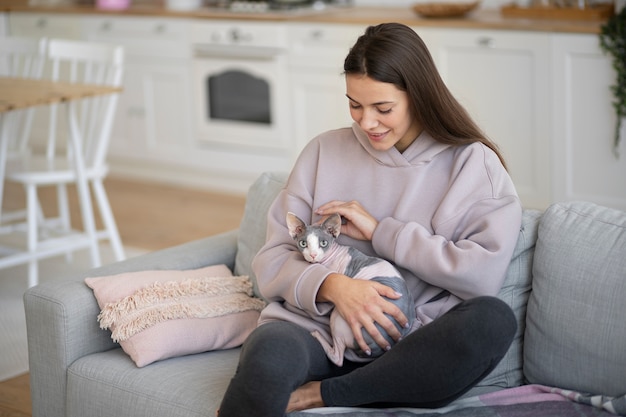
{"x": 241, "y": 96}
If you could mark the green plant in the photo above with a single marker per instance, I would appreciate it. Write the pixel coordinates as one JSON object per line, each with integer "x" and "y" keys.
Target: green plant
{"x": 613, "y": 42}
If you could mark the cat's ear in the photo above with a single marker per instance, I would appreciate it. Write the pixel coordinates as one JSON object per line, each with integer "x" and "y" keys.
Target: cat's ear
{"x": 295, "y": 225}
{"x": 333, "y": 224}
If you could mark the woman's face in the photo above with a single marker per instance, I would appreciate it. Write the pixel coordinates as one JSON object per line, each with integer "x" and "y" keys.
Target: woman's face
{"x": 382, "y": 111}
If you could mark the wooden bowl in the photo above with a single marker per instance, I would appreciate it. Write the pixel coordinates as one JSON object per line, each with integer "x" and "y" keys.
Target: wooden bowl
{"x": 445, "y": 9}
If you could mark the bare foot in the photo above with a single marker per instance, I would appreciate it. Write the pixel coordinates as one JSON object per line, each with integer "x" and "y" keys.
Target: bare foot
{"x": 307, "y": 396}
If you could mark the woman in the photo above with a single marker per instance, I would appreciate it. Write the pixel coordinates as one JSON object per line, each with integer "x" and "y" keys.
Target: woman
{"x": 418, "y": 184}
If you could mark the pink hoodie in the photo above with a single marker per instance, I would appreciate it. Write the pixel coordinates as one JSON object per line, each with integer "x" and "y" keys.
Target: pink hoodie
{"x": 449, "y": 218}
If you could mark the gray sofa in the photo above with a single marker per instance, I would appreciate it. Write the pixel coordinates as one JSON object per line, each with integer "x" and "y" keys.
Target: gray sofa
{"x": 572, "y": 327}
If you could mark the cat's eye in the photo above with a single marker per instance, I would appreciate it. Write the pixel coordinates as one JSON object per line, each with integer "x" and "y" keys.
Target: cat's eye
{"x": 323, "y": 243}
{"x": 302, "y": 244}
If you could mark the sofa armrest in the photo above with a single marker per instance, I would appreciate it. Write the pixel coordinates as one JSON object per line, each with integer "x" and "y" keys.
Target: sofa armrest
{"x": 61, "y": 316}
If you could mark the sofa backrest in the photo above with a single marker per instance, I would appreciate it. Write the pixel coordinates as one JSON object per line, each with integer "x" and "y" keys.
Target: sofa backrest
{"x": 576, "y": 322}
{"x": 253, "y": 227}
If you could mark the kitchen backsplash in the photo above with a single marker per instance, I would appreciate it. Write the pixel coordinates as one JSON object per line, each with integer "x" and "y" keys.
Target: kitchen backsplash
{"x": 406, "y": 3}
{"x": 392, "y": 3}
{"x": 384, "y": 3}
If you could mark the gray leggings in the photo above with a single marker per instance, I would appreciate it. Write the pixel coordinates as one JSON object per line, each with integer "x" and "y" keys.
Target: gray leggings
{"x": 429, "y": 368}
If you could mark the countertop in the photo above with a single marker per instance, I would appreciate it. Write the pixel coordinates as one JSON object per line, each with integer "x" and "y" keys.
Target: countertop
{"x": 478, "y": 19}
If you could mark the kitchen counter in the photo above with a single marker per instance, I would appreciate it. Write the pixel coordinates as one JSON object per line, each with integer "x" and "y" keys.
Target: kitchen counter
{"x": 479, "y": 19}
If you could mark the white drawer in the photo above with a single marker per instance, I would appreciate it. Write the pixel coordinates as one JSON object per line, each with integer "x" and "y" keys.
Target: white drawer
{"x": 239, "y": 33}
{"x": 321, "y": 45}
{"x": 161, "y": 37}
{"x": 37, "y": 25}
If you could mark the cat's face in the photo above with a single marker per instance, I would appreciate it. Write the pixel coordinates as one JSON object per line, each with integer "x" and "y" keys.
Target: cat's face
{"x": 313, "y": 241}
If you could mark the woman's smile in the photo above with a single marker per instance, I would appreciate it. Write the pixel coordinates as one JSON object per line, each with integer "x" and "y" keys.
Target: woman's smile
{"x": 377, "y": 137}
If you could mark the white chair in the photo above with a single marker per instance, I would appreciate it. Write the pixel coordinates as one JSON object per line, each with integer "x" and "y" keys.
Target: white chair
{"x": 19, "y": 57}
{"x": 67, "y": 161}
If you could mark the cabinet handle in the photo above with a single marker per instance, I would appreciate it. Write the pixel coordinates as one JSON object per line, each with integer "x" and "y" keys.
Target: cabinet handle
{"x": 160, "y": 28}
{"x": 486, "y": 42}
{"x": 317, "y": 34}
{"x": 41, "y": 23}
{"x": 105, "y": 27}
{"x": 237, "y": 35}
{"x": 136, "y": 111}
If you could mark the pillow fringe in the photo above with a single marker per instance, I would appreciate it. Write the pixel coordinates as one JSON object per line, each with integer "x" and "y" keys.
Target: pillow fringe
{"x": 192, "y": 298}
{"x": 162, "y": 291}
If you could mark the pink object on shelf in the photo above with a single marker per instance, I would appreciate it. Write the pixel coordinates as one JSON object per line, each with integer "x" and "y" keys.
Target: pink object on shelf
{"x": 113, "y": 4}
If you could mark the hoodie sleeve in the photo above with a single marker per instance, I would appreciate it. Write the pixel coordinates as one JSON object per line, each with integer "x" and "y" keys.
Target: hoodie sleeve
{"x": 282, "y": 273}
{"x": 468, "y": 246}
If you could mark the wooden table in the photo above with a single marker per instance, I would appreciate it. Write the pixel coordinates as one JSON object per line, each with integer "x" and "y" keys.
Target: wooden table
{"x": 21, "y": 93}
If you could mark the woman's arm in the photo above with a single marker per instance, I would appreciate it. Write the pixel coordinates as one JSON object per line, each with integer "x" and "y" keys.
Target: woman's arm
{"x": 468, "y": 244}
{"x": 468, "y": 267}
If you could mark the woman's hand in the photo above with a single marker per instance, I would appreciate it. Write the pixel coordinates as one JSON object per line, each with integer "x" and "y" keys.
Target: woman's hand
{"x": 359, "y": 224}
{"x": 361, "y": 304}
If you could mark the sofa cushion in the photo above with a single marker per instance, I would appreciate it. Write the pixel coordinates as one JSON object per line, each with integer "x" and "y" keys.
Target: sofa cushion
{"x": 576, "y": 327}
{"x": 109, "y": 384}
{"x": 515, "y": 292}
{"x": 253, "y": 227}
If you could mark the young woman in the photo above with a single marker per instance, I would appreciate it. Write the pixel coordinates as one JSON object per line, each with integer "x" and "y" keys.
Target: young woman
{"x": 419, "y": 184}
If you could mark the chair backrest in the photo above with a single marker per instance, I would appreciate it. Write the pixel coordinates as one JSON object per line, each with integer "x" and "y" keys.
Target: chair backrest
{"x": 89, "y": 63}
{"x": 22, "y": 57}
{"x": 25, "y": 58}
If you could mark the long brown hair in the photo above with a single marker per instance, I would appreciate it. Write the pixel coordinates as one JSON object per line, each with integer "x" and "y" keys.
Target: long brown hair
{"x": 394, "y": 53}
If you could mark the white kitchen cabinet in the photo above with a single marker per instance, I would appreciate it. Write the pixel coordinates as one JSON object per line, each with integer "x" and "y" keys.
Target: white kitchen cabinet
{"x": 317, "y": 52}
{"x": 503, "y": 80}
{"x": 584, "y": 165}
{"x": 153, "y": 121}
{"x": 4, "y": 25}
{"x": 544, "y": 98}
{"x": 153, "y": 115}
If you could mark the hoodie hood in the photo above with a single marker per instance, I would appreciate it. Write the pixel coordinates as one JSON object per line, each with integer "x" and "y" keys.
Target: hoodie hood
{"x": 423, "y": 149}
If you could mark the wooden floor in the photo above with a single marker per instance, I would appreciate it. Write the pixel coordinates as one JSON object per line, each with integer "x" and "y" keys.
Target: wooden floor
{"x": 148, "y": 216}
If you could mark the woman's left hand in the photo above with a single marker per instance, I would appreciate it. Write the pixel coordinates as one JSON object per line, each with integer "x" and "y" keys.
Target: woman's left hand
{"x": 359, "y": 224}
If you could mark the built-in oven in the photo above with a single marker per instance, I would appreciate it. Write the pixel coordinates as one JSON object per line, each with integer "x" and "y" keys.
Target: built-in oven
{"x": 240, "y": 84}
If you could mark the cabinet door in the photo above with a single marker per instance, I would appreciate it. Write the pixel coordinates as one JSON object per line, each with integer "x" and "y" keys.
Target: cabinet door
{"x": 153, "y": 118}
{"x": 319, "y": 105}
{"x": 318, "y": 86}
{"x": 584, "y": 121}
{"x": 503, "y": 80}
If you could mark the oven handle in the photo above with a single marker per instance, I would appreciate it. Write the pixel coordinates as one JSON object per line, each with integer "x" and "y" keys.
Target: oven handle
{"x": 237, "y": 51}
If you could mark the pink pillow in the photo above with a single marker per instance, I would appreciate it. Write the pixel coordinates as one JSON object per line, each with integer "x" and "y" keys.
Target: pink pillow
{"x": 157, "y": 315}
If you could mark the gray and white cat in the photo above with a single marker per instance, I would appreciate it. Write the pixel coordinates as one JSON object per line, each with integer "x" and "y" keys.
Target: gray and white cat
{"x": 317, "y": 244}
